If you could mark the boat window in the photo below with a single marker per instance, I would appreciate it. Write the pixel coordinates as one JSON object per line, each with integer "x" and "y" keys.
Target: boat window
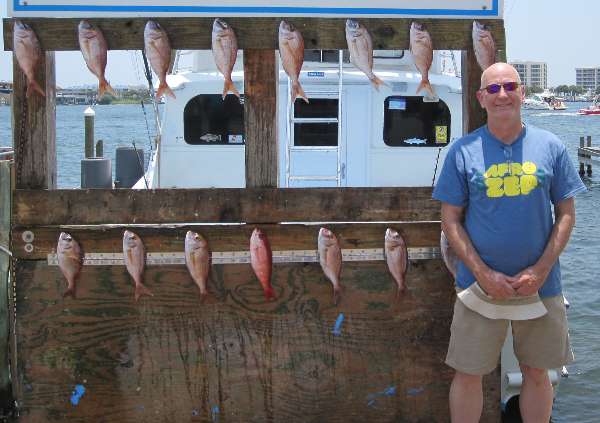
{"x": 411, "y": 122}
{"x": 210, "y": 120}
{"x": 315, "y": 123}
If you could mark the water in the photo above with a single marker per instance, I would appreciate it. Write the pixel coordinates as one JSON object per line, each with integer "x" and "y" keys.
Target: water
{"x": 577, "y": 400}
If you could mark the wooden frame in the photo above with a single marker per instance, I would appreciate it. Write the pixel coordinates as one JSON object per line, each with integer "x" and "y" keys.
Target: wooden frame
{"x": 237, "y": 357}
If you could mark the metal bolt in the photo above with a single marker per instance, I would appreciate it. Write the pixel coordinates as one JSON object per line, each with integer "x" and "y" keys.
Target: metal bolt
{"x": 28, "y": 236}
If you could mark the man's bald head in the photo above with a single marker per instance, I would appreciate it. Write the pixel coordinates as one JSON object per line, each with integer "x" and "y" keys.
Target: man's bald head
{"x": 499, "y": 69}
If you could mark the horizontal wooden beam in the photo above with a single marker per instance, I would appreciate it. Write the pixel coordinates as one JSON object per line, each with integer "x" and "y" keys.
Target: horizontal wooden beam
{"x": 100, "y": 239}
{"x": 250, "y": 205}
{"x": 258, "y": 33}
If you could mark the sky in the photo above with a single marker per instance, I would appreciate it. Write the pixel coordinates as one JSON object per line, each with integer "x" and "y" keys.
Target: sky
{"x": 557, "y": 32}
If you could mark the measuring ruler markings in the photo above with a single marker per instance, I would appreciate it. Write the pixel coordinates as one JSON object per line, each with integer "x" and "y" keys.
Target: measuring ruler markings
{"x": 233, "y": 257}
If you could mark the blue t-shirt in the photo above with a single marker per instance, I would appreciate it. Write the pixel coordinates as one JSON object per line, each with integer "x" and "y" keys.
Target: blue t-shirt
{"x": 507, "y": 192}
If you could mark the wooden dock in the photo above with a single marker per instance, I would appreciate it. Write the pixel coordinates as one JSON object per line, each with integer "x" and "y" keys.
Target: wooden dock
{"x": 586, "y": 155}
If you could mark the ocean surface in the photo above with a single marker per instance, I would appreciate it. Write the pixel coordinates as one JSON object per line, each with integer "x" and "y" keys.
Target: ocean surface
{"x": 577, "y": 399}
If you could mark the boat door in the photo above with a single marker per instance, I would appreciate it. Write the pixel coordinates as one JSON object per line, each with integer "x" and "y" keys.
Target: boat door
{"x": 313, "y": 141}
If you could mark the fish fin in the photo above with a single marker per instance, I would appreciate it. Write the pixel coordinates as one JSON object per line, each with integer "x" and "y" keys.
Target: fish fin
{"x": 163, "y": 88}
{"x": 377, "y": 82}
{"x": 33, "y": 86}
{"x": 337, "y": 294}
{"x": 298, "y": 91}
{"x": 103, "y": 87}
{"x": 140, "y": 290}
{"x": 203, "y": 296}
{"x": 400, "y": 290}
{"x": 229, "y": 87}
{"x": 269, "y": 294}
{"x": 426, "y": 85}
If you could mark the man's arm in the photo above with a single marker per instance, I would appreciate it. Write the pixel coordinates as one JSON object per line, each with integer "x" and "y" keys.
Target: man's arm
{"x": 530, "y": 280}
{"x": 496, "y": 284}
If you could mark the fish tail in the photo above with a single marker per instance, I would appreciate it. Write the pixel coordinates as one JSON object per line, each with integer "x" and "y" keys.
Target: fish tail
{"x": 103, "y": 87}
{"x": 377, "y": 82}
{"x": 298, "y": 91}
{"x": 163, "y": 88}
{"x": 229, "y": 87}
{"x": 426, "y": 85}
{"x": 203, "y": 296}
{"x": 337, "y": 294}
{"x": 33, "y": 86}
{"x": 70, "y": 292}
{"x": 269, "y": 293}
{"x": 140, "y": 290}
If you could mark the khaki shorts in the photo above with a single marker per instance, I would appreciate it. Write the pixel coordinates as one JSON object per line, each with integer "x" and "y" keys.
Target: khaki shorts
{"x": 476, "y": 341}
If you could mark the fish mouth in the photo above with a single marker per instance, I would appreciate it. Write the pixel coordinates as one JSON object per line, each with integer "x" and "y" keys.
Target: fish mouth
{"x": 220, "y": 24}
{"x": 418, "y": 26}
{"x": 287, "y": 26}
{"x": 352, "y": 24}
{"x": 153, "y": 25}
{"x": 85, "y": 25}
{"x": 22, "y": 26}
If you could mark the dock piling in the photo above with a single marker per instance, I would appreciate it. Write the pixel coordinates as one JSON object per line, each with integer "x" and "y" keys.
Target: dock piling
{"x": 586, "y": 155}
{"x": 89, "y": 116}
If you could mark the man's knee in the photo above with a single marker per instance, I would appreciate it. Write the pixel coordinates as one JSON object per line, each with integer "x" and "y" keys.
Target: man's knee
{"x": 538, "y": 376}
{"x": 466, "y": 379}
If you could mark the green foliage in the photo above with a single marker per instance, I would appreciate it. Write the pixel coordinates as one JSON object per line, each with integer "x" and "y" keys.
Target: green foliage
{"x": 533, "y": 90}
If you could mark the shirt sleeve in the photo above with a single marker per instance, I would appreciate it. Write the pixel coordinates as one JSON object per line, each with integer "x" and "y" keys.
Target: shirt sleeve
{"x": 566, "y": 182}
{"x": 452, "y": 185}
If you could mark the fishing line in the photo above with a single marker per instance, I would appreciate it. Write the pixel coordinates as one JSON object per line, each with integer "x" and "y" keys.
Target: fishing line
{"x": 141, "y": 164}
{"x": 436, "y": 166}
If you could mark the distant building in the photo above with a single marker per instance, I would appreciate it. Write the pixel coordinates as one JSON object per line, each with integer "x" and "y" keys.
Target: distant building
{"x": 533, "y": 74}
{"x": 587, "y": 78}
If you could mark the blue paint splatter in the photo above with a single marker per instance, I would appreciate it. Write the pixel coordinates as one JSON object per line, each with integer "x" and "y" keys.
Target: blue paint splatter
{"x": 387, "y": 392}
{"x": 337, "y": 328}
{"x": 77, "y": 394}
{"x": 215, "y": 413}
{"x": 413, "y": 392}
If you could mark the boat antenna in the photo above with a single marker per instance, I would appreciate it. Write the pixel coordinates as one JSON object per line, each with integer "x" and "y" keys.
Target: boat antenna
{"x": 141, "y": 164}
{"x": 151, "y": 90}
{"x": 436, "y": 166}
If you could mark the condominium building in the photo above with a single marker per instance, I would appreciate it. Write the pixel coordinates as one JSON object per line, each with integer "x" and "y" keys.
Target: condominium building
{"x": 588, "y": 78}
{"x": 533, "y": 74}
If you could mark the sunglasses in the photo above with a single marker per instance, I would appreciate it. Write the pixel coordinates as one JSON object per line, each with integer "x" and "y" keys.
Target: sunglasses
{"x": 495, "y": 88}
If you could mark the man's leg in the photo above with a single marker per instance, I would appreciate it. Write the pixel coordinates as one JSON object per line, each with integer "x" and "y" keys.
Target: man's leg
{"x": 535, "y": 401}
{"x": 466, "y": 398}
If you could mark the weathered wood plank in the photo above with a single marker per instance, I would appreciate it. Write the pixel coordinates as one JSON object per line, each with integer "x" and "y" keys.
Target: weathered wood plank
{"x": 252, "y": 205}
{"x": 235, "y": 357}
{"x": 257, "y": 33}
{"x": 474, "y": 115}
{"x": 261, "y": 78}
{"x": 223, "y": 237}
{"x": 5, "y": 202}
{"x": 34, "y": 127}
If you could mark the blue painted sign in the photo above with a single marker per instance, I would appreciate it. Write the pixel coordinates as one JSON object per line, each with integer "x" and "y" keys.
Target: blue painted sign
{"x": 489, "y": 9}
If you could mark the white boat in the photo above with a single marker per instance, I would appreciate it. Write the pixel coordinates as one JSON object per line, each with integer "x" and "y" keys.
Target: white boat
{"x": 349, "y": 135}
{"x": 536, "y": 102}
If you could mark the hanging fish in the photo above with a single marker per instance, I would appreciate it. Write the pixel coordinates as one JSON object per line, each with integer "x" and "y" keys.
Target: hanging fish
{"x": 94, "y": 48}
{"x": 483, "y": 45}
{"x": 28, "y": 53}
{"x": 70, "y": 261}
{"x": 396, "y": 256}
{"x": 422, "y": 52}
{"x": 197, "y": 260}
{"x": 330, "y": 258}
{"x": 158, "y": 51}
{"x": 224, "y": 49}
{"x": 135, "y": 259}
{"x": 360, "y": 47}
{"x": 261, "y": 259}
{"x": 448, "y": 254}
{"x": 291, "y": 51}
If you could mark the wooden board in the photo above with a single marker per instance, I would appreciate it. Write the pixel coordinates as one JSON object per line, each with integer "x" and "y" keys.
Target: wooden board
{"x": 5, "y": 202}
{"x": 257, "y": 33}
{"x": 261, "y": 78}
{"x": 473, "y": 114}
{"x": 81, "y": 207}
{"x": 170, "y": 358}
{"x": 34, "y": 127}
{"x": 223, "y": 237}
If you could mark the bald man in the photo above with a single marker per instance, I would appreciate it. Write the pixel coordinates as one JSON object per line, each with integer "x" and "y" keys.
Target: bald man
{"x": 497, "y": 189}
